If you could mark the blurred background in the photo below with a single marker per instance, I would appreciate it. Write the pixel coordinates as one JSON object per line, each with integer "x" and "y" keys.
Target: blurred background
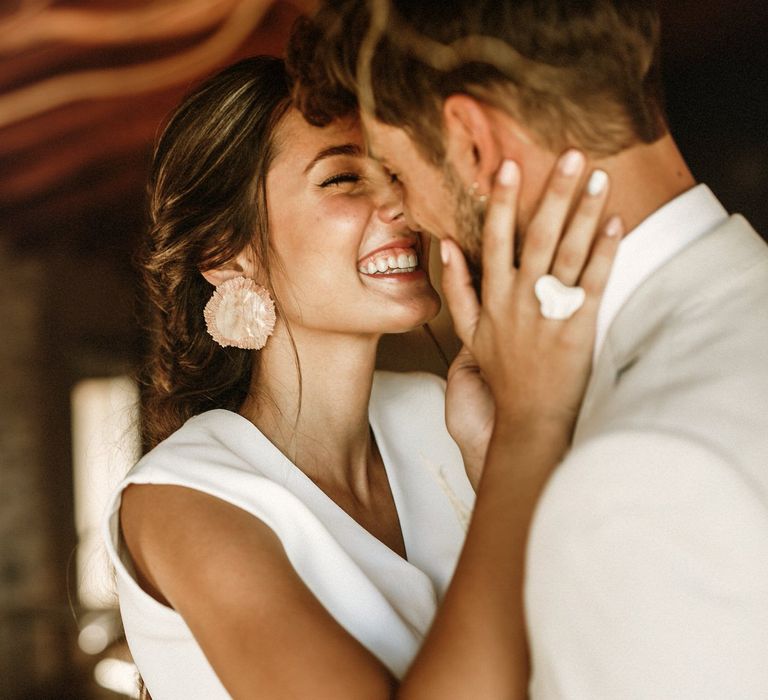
{"x": 84, "y": 87}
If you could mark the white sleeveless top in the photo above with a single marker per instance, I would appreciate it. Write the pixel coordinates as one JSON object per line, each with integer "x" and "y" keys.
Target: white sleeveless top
{"x": 384, "y": 601}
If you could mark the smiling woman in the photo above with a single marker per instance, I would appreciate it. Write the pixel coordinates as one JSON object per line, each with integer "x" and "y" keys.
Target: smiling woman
{"x": 341, "y": 484}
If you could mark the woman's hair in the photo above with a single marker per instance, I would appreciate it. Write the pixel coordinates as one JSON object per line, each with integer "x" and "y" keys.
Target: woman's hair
{"x": 207, "y": 204}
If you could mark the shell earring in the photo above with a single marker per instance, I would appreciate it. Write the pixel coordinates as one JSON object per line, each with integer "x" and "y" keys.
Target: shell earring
{"x": 473, "y": 193}
{"x": 240, "y": 314}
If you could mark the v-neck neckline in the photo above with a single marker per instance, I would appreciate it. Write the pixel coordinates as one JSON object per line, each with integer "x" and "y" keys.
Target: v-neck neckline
{"x": 328, "y": 502}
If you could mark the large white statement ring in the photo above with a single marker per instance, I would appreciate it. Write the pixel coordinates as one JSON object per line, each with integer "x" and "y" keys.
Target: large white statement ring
{"x": 558, "y": 301}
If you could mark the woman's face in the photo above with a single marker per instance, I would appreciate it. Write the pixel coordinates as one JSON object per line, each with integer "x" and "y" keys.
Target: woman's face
{"x": 347, "y": 262}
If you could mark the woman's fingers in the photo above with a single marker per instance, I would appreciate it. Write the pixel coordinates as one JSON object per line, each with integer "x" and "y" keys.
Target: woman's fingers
{"x": 499, "y": 233}
{"x": 582, "y": 255}
{"x": 546, "y": 226}
{"x": 575, "y": 246}
{"x": 498, "y": 254}
{"x": 598, "y": 268}
{"x": 459, "y": 293}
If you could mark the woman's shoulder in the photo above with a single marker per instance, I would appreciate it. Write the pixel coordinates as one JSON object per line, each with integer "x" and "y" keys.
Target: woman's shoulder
{"x": 208, "y": 442}
{"x": 215, "y": 454}
{"x": 222, "y": 454}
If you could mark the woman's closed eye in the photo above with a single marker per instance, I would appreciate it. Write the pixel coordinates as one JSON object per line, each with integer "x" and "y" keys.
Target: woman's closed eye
{"x": 341, "y": 179}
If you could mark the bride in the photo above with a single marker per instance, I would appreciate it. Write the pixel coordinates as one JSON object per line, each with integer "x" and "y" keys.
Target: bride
{"x": 295, "y": 528}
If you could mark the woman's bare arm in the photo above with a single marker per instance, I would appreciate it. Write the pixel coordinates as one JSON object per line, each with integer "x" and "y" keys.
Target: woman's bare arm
{"x": 226, "y": 573}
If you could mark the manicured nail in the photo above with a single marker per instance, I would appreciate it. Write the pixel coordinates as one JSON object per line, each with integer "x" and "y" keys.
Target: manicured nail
{"x": 508, "y": 173}
{"x": 445, "y": 254}
{"x": 614, "y": 227}
{"x": 571, "y": 162}
{"x": 598, "y": 181}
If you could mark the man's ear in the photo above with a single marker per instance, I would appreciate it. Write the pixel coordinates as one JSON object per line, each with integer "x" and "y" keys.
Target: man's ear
{"x": 472, "y": 146}
{"x": 241, "y": 265}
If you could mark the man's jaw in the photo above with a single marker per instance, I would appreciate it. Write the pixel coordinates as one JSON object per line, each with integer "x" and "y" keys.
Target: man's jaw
{"x": 468, "y": 217}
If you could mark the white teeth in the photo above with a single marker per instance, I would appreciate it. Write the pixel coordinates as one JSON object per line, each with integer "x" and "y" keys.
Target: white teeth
{"x": 391, "y": 264}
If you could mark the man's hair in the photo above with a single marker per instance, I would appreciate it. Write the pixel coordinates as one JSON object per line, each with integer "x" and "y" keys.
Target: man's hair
{"x": 576, "y": 72}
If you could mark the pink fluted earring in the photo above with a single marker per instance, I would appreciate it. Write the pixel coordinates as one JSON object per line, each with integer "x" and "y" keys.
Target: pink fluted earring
{"x": 241, "y": 314}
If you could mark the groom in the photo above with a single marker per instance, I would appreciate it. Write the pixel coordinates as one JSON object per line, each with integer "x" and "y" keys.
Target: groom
{"x": 647, "y": 572}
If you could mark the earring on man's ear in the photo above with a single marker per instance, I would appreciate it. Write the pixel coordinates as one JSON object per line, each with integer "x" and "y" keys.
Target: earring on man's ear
{"x": 473, "y": 193}
{"x": 241, "y": 314}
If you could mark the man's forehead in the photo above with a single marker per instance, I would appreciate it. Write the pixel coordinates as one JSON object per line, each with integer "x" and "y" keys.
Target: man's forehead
{"x": 372, "y": 135}
{"x": 383, "y": 141}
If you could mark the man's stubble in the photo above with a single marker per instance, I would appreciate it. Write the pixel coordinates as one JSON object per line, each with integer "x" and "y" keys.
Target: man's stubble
{"x": 469, "y": 219}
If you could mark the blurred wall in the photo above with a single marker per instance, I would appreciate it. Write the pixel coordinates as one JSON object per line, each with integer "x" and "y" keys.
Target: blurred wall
{"x": 715, "y": 69}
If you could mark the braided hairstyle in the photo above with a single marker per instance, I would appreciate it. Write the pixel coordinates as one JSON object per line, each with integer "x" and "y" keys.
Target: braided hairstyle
{"x": 207, "y": 204}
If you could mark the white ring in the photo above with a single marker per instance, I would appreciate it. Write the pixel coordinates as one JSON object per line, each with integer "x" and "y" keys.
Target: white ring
{"x": 558, "y": 301}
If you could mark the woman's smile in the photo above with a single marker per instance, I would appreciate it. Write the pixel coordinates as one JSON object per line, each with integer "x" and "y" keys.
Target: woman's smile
{"x": 399, "y": 258}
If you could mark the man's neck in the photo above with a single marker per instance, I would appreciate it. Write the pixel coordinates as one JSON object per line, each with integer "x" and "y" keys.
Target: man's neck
{"x": 643, "y": 179}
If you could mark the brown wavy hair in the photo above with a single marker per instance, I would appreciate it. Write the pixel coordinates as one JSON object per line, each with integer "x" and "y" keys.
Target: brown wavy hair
{"x": 208, "y": 203}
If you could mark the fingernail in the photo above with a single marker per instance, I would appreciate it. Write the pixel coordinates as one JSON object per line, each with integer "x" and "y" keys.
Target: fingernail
{"x": 445, "y": 254}
{"x": 614, "y": 227}
{"x": 598, "y": 181}
{"x": 571, "y": 162}
{"x": 508, "y": 173}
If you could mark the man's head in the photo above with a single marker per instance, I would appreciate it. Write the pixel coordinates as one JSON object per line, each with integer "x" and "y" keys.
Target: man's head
{"x": 447, "y": 90}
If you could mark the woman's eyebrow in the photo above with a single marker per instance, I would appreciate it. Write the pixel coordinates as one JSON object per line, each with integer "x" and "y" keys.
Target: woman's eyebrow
{"x": 346, "y": 149}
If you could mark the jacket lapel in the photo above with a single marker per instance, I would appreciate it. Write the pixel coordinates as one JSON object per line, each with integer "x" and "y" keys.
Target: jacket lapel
{"x": 700, "y": 269}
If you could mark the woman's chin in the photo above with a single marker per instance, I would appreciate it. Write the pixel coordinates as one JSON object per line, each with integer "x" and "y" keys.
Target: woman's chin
{"x": 416, "y": 317}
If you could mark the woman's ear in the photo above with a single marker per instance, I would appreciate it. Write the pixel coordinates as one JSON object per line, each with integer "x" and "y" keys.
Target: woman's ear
{"x": 472, "y": 146}
{"x": 241, "y": 265}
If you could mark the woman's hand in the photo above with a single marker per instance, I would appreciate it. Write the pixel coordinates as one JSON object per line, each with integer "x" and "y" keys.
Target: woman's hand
{"x": 469, "y": 412}
{"x": 536, "y": 368}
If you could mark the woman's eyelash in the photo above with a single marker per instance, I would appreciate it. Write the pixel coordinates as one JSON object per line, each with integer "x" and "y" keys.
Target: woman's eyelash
{"x": 340, "y": 178}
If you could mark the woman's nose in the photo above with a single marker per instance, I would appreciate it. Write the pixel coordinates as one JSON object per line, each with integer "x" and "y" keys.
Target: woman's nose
{"x": 391, "y": 205}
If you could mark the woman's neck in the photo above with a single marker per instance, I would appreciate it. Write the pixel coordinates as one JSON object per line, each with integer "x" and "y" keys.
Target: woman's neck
{"x": 328, "y": 435}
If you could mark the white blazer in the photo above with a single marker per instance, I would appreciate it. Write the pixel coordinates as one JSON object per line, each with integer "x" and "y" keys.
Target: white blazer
{"x": 647, "y": 570}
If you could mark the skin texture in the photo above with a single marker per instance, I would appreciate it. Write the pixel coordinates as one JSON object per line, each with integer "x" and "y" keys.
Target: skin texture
{"x": 262, "y": 630}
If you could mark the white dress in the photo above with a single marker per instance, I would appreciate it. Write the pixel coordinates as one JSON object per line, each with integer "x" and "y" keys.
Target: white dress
{"x": 384, "y": 601}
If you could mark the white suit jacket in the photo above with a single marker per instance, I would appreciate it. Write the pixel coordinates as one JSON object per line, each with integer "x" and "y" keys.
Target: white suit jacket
{"x": 647, "y": 570}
